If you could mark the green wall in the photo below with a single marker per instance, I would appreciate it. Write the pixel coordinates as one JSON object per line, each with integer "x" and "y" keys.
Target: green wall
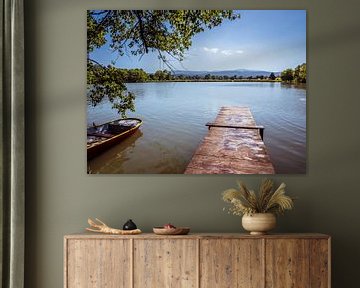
{"x": 60, "y": 195}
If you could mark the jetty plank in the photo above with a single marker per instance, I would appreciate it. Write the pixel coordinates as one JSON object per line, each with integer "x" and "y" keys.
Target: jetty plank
{"x": 230, "y": 147}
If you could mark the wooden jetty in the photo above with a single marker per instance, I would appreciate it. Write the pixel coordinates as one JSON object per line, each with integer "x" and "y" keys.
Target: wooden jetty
{"x": 233, "y": 145}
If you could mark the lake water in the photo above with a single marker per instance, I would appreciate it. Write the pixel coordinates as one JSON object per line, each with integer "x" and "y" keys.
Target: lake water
{"x": 175, "y": 114}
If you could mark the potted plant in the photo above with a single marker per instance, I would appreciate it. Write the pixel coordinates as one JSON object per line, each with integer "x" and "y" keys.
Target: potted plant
{"x": 258, "y": 210}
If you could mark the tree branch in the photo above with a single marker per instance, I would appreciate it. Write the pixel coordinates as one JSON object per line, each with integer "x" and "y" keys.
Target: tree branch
{"x": 92, "y": 60}
{"x": 142, "y": 35}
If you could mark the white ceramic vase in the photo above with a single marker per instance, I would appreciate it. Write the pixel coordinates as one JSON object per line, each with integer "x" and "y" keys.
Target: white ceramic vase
{"x": 259, "y": 223}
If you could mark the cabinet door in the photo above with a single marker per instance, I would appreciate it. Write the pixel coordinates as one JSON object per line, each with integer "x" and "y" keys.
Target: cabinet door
{"x": 167, "y": 263}
{"x": 231, "y": 263}
{"x": 320, "y": 263}
{"x": 287, "y": 263}
{"x": 98, "y": 263}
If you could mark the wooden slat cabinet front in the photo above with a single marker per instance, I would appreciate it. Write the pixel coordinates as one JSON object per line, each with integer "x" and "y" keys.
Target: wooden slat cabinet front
{"x": 165, "y": 263}
{"x": 297, "y": 263}
{"x": 98, "y": 263}
{"x": 197, "y": 261}
{"x": 231, "y": 263}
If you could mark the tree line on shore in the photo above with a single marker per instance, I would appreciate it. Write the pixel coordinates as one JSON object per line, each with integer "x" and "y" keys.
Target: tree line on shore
{"x": 138, "y": 75}
{"x": 297, "y": 75}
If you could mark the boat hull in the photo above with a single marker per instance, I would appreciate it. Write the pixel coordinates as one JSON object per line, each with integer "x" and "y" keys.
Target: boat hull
{"x": 101, "y": 147}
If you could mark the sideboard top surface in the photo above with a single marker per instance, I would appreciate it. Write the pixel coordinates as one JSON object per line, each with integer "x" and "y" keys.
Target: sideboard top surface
{"x": 87, "y": 235}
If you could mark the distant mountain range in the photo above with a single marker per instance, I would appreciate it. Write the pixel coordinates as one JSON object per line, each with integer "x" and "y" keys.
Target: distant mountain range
{"x": 237, "y": 72}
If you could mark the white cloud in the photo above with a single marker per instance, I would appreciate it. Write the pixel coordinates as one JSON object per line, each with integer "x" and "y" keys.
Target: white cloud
{"x": 211, "y": 50}
{"x": 225, "y": 52}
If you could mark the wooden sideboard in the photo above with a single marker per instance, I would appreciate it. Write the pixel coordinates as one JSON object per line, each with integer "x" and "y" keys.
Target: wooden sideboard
{"x": 197, "y": 260}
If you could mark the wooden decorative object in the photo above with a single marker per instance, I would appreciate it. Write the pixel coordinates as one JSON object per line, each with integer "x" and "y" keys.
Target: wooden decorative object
{"x": 197, "y": 261}
{"x": 101, "y": 227}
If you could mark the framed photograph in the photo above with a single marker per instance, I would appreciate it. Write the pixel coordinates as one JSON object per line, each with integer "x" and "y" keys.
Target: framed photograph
{"x": 196, "y": 91}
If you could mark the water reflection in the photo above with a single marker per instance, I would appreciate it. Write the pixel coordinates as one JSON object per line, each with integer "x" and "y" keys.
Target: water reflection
{"x": 111, "y": 159}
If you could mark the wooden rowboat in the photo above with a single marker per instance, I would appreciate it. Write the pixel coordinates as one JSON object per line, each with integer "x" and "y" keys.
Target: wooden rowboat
{"x": 101, "y": 137}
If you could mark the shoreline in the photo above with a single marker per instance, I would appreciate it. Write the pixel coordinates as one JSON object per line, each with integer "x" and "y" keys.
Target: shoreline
{"x": 214, "y": 80}
{"x": 220, "y": 80}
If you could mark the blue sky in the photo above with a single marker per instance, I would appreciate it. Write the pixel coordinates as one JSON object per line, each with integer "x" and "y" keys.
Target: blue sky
{"x": 270, "y": 40}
